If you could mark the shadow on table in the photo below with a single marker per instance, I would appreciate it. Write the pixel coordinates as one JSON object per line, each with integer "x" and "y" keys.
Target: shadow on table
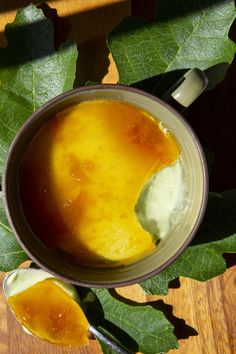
{"x": 230, "y": 259}
{"x": 181, "y": 329}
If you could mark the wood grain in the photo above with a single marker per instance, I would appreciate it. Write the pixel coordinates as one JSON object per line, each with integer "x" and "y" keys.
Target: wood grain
{"x": 204, "y": 314}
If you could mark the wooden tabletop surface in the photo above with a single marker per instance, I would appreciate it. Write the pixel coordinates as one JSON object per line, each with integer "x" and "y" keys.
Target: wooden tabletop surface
{"x": 204, "y": 314}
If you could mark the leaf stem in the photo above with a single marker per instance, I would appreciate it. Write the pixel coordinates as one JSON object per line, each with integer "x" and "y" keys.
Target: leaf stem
{"x": 115, "y": 346}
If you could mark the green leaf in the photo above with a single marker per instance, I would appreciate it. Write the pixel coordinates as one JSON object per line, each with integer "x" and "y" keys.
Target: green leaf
{"x": 31, "y": 71}
{"x": 185, "y": 34}
{"x": 203, "y": 259}
{"x": 147, "y": 326}
{"x": 11, "y": 255}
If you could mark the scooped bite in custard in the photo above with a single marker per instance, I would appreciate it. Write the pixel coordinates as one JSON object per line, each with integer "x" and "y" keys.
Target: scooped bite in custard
{"x": 82, "y": 176}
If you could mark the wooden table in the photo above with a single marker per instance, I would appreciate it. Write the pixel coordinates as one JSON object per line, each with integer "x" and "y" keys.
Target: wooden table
{"x": 204, "y": 314}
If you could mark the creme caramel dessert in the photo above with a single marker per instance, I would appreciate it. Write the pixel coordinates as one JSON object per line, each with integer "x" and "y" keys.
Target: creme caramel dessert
{"x": 82, "y": 176}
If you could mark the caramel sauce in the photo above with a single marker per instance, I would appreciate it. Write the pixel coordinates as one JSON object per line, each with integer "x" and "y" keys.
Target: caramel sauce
{"x": 82, "y": 175}
{"x": 50, "y": 313}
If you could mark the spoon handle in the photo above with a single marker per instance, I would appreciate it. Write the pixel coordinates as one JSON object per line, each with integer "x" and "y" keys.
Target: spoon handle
{"x": 116, "y": 347}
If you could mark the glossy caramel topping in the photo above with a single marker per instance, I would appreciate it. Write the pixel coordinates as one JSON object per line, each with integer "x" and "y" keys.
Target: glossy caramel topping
{"x": 50, "y": 313}
{"x": 82, "y": 175}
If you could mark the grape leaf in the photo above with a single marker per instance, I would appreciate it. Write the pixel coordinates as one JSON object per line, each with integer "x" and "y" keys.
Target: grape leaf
{"x": 203, "y": 259}
{"x": 31, "y": 71}
{"x": 147, "y": 326}
{"x": 185, "y": 34}
{"x": 11, "y": 254}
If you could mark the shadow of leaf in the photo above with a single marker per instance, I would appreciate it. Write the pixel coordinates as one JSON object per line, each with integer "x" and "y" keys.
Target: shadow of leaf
{"x": 181, "y": 329}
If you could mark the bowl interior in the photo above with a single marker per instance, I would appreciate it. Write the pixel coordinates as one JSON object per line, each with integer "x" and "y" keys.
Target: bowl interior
{"x": 168, "y": 249}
